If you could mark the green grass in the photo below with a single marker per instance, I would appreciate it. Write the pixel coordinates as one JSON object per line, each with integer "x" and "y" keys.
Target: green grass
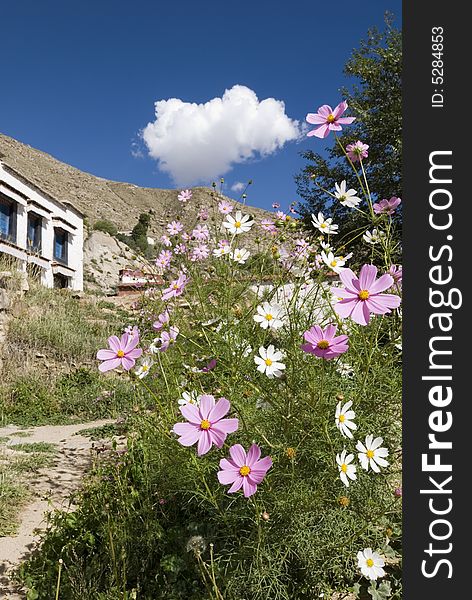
{"x": 50, "y": 373}
{"x": 41, "y": 447}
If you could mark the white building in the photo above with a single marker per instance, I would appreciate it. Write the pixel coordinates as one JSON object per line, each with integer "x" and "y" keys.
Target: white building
{"x": 43, "y": 235}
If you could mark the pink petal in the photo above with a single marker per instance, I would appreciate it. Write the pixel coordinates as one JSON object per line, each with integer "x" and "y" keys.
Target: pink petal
{"x": 188, "y": 433}
{"x": 335, "y": 127}
{"x": 330, "y": 332}
{"x": 227, "y": 477}
{"x": 325, "y": 110}
{"x": 342, "y": 293}
{"x": 248, "y": 488}
{"x": 350, "y": 280}
{"x": 136, "y": 353}
{"x": 226, "y": 425}
{"x": 308, "y": 348}
{"x": 345, "y": 307}
{"x": 133, "y": 341}
{"x": 108, "y": 365}
{"x": 204, "y": 443}
{"x": 128, "y": 363}
{"x": 361, "y": 313}
{"x": 228, "y": 465}
{"x": 220, "y": 409}
{"x": 383, "y": 283}
{"x": 191, "y": 413}
{"x": 217, "y": 437}
{"x": 340, "y": 340}
{"x": 114, "y": 343}
{"x": 207, "y": 402}
{"x": 106, "y": 354}
{"x": 315, "y": 118}
{"x": 321, "y": 132}
{"x": 314, "y": 334}
{"x": 238, "y": 455}
{"x": 253, "y": 455}
{"x": 367, "y": 276}
{"x": 384, "y": 302}
{"x": 236, "y": 485}
{"x": 340, "y": 109}
{"x": 346, "y": 120}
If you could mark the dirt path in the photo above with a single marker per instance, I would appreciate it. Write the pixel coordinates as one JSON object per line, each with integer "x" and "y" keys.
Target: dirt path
{"x": 51, "y": 488}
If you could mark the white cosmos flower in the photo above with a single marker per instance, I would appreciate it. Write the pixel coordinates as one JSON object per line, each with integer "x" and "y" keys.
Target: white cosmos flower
{"x": 189, "y": 398}
{"x": 240, "y": 255}
{"x": 371, "y": 454}
{"x": 344, "y": 419}
{"x": 268, "y": 361}
{"x": 373, "y": 237}
{"x": 269, "y": 316}
{"x": 324, "y": 225}
{"x": 335, "y": 263}
{"x": 346, "y": 197}
{"x": 144, "y": 367}
{"x": 345, "y": 369}
{"x": 370, "y": 564}
{"x": 239, "y": 223}
{"x": 221, "y": 251}
{"x": 326, "y": 246}
{"x": 346, "y": 469}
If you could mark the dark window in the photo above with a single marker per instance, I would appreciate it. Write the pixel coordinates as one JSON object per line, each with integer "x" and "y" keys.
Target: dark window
{"x": 7, "y": 219}
{"x": 34, "y": 232}
{"x": 60, "y": 245}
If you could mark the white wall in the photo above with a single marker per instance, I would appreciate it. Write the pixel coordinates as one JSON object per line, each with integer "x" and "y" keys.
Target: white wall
{"x": 52, "y": 213}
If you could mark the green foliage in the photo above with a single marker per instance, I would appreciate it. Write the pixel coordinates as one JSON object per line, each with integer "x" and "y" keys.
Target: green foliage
{"x": 375, "y": 99}
{"x": 106, "y": 226}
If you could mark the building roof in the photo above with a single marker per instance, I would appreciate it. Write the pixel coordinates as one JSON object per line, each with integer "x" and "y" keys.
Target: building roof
{"x": 62, "y": 203}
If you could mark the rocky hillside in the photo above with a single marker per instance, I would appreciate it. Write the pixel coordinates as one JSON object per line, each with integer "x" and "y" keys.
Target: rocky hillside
{"x": 98, "y": 198}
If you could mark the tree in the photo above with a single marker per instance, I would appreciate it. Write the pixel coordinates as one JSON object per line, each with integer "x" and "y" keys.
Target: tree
{"x": 375, "y": 99}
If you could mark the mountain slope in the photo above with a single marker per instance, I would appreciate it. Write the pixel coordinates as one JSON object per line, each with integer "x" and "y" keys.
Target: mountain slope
{"x": 100, "y": 198}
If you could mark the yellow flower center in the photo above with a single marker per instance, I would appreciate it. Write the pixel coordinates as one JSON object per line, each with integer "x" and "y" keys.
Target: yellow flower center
{"x": 323, "y": 344}
{"x": 268, "y": 362}
{"x": 369, "y": 562}
{"x": 331, "y": 118}
{"x": 333, "y": 263}
{"x": 244, "y": 471}
{"x": 269, "y": 317}
{"x": 175, "y": 286}
{"x": 120, "y": 354}
{"x": 363, "y": 294}
{"x": 342, "y": 418}
{"x": 323, "y": 225}
{"x": 145, "y": 367}
{"x": 237, "y": 224}
{"x": 370, "y": 454}
{"x": 205, "y": 425}
{"x": 344, "y": 467}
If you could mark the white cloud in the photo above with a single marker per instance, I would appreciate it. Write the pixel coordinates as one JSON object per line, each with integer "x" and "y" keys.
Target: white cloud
{"x": 196, "y": 143}
{"x": 238, "y": 186}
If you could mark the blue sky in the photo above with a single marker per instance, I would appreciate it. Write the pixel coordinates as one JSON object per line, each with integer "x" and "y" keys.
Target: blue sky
{"x": 80, "y": 79}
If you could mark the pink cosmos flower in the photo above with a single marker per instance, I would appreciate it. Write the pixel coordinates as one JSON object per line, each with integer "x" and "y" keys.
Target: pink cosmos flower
{"x": 184, "y": 195}
{"x": 210, "y": 366}
{"x": 268, "y": 225}
{"x": 180, "y": 249}
{"x": 206, "y": 424}
{"x": 281, "y": 215}
{"x": 275, "y": 205}
{"x": 186, "y": 236}
{"x": 396, "y": 272}
{"x": 176, "y": 287}
{"x": 323, "y": 343}
{"x": 203, "y": 214}
{"x": 328, "y": 119}
{"x": 201, "y": 233}
{"x": 386, "y": 207}
{"x": 162, "y": 320}
{"x": 166, "y": 240}
{"x": 163, "y": 259}
{"x": 200, "y": 252}
{"x": 132, "y": 330}
{"x": 244, "y": 470}
{"x": 225, "y": 207}
{"x": 357, "y": 151}
{"x": 174, "y": 228}
{"x": 362, "y": 296}
{"x": 167, "y": 338}
{"x": 122, "y": 352}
